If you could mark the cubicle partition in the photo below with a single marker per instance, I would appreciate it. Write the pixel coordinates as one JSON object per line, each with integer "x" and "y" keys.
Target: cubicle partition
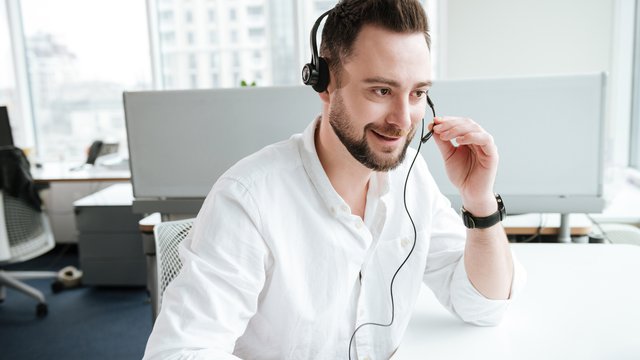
{"x": 549, "y": 131}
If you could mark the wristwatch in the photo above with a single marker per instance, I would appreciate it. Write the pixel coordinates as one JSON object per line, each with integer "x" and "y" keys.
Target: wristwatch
{"x": 473, "y": 222}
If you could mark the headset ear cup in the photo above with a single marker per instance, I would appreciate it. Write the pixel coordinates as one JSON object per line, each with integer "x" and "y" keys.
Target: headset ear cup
{"x": 323, "y": 75}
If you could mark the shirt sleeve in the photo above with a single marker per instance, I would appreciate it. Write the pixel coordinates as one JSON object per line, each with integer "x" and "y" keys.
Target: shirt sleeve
{"x": 446, "y": 276}
{"x": 207, "y": 307}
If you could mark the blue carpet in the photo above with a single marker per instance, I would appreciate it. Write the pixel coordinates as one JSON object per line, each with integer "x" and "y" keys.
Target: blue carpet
{"x": 83, "y": 323}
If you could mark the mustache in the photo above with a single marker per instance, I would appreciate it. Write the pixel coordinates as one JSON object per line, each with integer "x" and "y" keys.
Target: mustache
{"x": 388, "y": 130}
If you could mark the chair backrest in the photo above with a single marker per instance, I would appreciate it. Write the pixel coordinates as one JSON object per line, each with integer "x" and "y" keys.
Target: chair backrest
{"x": 168, "y": 235}
{"x": 25, "y": 233}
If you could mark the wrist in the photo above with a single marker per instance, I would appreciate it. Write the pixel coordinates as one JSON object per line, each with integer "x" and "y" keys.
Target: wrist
{"x": 472, "y": 221}
{"x": 481, "y": 206}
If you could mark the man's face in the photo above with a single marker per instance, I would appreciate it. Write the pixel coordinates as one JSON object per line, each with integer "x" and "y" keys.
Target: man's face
{"x": 382, "y": 96}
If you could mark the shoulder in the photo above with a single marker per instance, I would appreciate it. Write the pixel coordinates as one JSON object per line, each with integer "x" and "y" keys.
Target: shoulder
{"x": 273, "y": 161}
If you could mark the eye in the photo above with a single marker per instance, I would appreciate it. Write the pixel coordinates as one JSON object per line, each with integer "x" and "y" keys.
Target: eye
{"x": 382, "y": 91}
{"x": 420, "y": 93}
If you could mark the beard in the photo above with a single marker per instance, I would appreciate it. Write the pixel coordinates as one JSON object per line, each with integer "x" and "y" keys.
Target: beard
{"x": 359, "y": 148}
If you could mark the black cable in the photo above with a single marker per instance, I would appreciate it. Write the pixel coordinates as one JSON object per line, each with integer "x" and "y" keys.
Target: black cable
{"x": 423, "y": 139}
{"x": 538, "y": 231}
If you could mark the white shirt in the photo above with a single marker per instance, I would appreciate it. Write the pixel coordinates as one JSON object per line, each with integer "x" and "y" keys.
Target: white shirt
{"x": 277, "y": 267}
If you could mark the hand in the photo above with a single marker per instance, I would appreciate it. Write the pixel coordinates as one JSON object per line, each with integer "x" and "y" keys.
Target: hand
{"x": 472, "y": 165}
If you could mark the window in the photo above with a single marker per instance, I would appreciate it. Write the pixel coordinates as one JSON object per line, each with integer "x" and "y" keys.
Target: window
{"x": 166, "y": 16}
{"x": 193, "y": 63}
{"x": 215, "y": 80}
{"x": 635, "y": 106}
{"x": 66, "y": 88}
{"x": 257, "y": 10}
{"x": 272, "y": 36}
{"x": 256, "y": 34}
{"x": 213, "y": 37}
{"x": 233, "y": 36}
{"x": 214, "y": 60}
{"x": 169, "y": 37}
{"x": 8, "y": 90}
{"x": 76, "y": 78}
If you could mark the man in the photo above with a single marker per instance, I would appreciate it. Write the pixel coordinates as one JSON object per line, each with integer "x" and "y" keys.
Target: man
{"x": 297, "y": 245}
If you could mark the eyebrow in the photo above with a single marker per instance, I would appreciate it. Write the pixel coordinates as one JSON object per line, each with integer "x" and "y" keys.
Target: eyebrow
{"x": 393, "y": 83}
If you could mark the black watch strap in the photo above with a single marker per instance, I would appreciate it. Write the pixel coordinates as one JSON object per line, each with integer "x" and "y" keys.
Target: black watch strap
{"x": 473, "y": 222}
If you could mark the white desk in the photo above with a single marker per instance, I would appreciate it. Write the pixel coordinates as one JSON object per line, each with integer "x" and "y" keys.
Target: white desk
{"x": 581, "y": 302}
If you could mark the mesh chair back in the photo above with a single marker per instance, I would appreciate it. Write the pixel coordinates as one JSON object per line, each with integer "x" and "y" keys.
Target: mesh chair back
{"x": 168, "y": 235}
{"x": 25, "y": 232}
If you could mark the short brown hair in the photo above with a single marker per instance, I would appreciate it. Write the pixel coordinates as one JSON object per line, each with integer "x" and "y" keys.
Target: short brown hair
{"x": 348, "y": 17}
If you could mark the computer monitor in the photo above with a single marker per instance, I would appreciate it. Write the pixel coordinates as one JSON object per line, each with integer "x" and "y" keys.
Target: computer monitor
{"x": 6, "y": 138}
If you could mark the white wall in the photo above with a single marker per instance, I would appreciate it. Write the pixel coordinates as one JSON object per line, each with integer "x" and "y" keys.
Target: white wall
{"x": 501, "y": 38}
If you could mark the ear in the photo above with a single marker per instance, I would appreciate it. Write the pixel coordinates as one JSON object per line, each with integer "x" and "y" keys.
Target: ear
{"x": 325, "y": 96}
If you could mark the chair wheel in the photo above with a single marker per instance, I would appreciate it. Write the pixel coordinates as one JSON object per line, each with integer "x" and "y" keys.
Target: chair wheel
{"x": 57, "y": 286}
{"x": 41, "y": 310}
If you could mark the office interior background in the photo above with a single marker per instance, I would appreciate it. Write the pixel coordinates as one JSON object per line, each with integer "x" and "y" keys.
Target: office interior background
{"x": 64, "y": 65}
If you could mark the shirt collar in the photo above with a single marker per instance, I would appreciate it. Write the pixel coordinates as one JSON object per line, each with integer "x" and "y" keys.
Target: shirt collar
{"x": 378, "y": 184}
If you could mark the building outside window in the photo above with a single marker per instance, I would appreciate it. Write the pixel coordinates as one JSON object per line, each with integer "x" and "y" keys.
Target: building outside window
{"x": 76, "y": 77}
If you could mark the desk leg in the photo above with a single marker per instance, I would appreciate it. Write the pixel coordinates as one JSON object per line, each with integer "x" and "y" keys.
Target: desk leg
{"x": 564, "y": 235}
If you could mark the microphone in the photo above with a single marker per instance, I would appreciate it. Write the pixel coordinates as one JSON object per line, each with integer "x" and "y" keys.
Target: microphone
{"x": 428, "y": 136}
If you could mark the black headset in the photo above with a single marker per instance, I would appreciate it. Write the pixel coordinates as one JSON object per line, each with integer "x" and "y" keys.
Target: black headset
{"x": 316, "y": 73}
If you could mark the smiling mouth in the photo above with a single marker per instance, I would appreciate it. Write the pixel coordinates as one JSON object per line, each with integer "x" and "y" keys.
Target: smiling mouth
{"x": 386, "y": 137}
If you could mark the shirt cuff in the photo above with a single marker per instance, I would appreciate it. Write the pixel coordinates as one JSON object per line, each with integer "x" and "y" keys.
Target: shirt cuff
{"x": 473, "y": 307}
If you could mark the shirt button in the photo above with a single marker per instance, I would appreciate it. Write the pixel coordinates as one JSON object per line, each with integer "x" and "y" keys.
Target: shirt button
{"x": 334, "y": 211}
{"x": 358, "y": 224}
{"x": 366, "y": 358}
{"x": 344, "y": 208}
{"x": 405, "y": 242}
{"x": 361, "y": 312}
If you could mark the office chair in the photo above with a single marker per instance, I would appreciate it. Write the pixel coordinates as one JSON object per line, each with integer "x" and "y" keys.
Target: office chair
{"x": 168, "y": 235}
{"x": 25, "y": 233}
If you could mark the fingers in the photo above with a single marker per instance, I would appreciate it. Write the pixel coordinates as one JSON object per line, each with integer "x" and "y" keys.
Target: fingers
{"x": 463, "y": 130}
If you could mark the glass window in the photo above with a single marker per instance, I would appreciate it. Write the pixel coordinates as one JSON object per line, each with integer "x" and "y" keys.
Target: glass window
{"x": 236, "y": 59}
{"x": 214, "y": 60}
{"x": 213, "y": 37}
{"x": 20, "y": 129}
{"x": 256, "y": 34}
{"x": 76, "y": 78}
{"x": 188, "y": 16}
{"x": 166, "y": 16}
{"x": 215, "y": 80}
{"x": 634, "y": 158}
{"x": 269, "y": 34}
{"x": 191, "y": 38}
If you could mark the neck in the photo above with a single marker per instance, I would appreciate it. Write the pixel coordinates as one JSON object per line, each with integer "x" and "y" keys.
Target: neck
{"x": 348, "y": 177}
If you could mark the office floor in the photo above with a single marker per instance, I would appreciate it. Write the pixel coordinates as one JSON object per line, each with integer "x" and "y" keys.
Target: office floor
{"x": 83, "y": 323}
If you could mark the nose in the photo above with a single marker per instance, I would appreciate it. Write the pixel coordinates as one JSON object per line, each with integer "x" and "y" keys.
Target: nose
{"x": 400, "y": 114}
